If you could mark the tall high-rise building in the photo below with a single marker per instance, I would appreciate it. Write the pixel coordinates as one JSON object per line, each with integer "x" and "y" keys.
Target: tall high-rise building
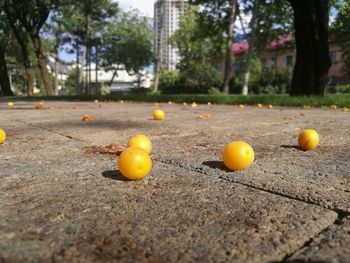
{"x": 167, "y": 15}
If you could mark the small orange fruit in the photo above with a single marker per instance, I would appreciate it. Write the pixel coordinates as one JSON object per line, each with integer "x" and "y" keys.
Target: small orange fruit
{"x": 270, "y": 106}
{"x": 308, "y": 139}
{"x": 259, "y": 105}
{"x": 140, "y": 141}
{"x": 334, "y": 107}
{"x": 10, "y": 104}
{"x": 238, "y": 155}
{"x": 2, "y": 136}
{"x": 134, "y": 163}
{"x": 241, "y": 106}
{"x": 158, "y": 115}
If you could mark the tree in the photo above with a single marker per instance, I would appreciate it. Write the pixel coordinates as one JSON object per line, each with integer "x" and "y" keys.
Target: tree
{"x": 200, "y": 54}
{"x": 128, "y": 44}
{"x": 311, "y": 24}
{"x": 218, "y": 18}
{"x": 5, "y": 85}
{"x": 341, "y": 32}
{"x": 32, "y": 15}
{"x": 269, "y": 20}
{"x": 85, "y": 21}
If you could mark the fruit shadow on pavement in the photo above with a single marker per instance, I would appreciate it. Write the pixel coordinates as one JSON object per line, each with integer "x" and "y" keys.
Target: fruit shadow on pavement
{"x": 114, "y": 175}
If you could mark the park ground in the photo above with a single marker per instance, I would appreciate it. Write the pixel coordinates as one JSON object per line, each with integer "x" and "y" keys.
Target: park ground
{"x": 63, "y": 202}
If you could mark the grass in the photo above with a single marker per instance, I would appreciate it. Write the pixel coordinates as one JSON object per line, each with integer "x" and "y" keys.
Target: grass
{"x": 341, "y": 100}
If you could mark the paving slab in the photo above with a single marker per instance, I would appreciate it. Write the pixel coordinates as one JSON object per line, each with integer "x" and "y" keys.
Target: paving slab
{"x": 172, "y": 216}
{"x": 331, "y": 246}
{"x": 59, "y": 203}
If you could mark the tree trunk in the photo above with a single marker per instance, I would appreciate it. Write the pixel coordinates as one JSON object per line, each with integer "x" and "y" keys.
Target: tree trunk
{"x": 251, "y": 43}
{"x": 42, "y": 63}
{"x": 56, "y": 73}
{"x": 228, "y": 59}
{"x": 311, "y": 18}
{"x": 4, "y": 77}
{"x": 30, "y": 74}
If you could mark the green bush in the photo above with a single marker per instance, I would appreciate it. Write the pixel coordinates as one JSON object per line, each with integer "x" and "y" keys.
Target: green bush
{"x": 343, "y": 88}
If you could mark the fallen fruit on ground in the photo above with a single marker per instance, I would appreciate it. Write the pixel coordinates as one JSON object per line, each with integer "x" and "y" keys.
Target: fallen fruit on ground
{"x": 40, "y": 105}
{"x": 259, "y": 105}
{"x": 345, "y": 109}
{"x": 2, "y": 136}
{"x": 142, "y": 142}
{"x": 308, "y": 139}
{"x": 158, "y": 115}
{"x": 184, "y": 104}
{"x": 170, "y": 103}
{"x": 88, "y": 118}
{"x": 206, "y": 116}
{"x": 134, "y": 163}
{"x": 270, "y": 106}
{"x": 241, "y": 106}
{"x": 238, "y": 155}
{"x": 194, "y": 105}
{"x": 334, "y": 107}
{"x": 10, "y": 104}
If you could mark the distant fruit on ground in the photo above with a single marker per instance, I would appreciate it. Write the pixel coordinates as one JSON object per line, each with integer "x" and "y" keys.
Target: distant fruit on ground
{"x": 306, "y": 107}
{"x": 334, "y": 107}
{"x": 121, "y": 101}
{"x": 96, "y": 101}
{"x": 270, "y": 106}
{"x": 40, "y": 105}
{"x": 308, "y": 139}
{"x": 194, "y": 105}
{"x": 10, "y": 104}
{"x": 2, "y": 136}
{"x": 158, "y": 115}
{"x": 259, "y": 105}
{"x": 184, "y": 104}
{"x": 238, "y": 155}
{"x": 345, "y": 109}
{"x": 140, "y": 141}
{"x": 156, "y": 104}
{"x": 241, "y": 106}
{"x": 170, "y": 102}
{"x": 209, "y": 104}
{"x": 134, "y": 163}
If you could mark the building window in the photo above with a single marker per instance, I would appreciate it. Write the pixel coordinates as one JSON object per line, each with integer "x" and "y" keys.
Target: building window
{"x": 333, "y": 56}
{"x": 289, "y": 61}
{"x": 273, "y": 63}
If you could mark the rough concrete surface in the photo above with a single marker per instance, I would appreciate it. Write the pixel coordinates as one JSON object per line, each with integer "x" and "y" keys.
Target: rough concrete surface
{"x": 60, "y": 203}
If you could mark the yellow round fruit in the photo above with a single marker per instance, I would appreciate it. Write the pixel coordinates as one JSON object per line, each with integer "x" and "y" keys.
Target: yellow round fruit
{"x": 259, "y": 105}
{"x": 238, "y": 155}
{"x": 158, "y": 115}
{"x": 134, "y": 163}
{"x": 2, "y": 136}
{"x": 270, "y": 106}
{"x": 184, "y": 104}
{"x": 308, "y": 139}
{"x": 170, "y": 102}
{"x": 241, "y": 106}
{"x": 140, "y": 141}
{"x": 10, "y": 104}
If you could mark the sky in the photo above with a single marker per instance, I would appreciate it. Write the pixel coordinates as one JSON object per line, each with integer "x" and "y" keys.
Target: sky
{"x": 144, "y": 6}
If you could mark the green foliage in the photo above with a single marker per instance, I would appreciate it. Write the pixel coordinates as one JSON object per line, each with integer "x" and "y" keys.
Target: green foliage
{"x": 341, "y": 100}
{"x": 200, "y": 56}
{"x": 168, "y": 80}
{"x": 341, "y": 33}
{"x": 343, "y": 88}
{"x": 128, "y": 42}
{"x": 70, "y": 86}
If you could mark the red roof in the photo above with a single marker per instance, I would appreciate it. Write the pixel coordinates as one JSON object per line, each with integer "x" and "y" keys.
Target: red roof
{"x": 241, "y": 47}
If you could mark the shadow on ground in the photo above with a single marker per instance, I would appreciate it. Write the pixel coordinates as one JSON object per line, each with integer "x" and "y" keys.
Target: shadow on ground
{"x": 114, "y": 175}
{"x": 216, "y": 165}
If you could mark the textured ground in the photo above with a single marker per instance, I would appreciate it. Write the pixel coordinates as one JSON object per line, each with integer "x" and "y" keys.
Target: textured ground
{"x": 59, "y": 203}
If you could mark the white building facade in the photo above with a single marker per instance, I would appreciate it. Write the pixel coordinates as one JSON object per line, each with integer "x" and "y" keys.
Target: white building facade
{"x": 167, "y": 15}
